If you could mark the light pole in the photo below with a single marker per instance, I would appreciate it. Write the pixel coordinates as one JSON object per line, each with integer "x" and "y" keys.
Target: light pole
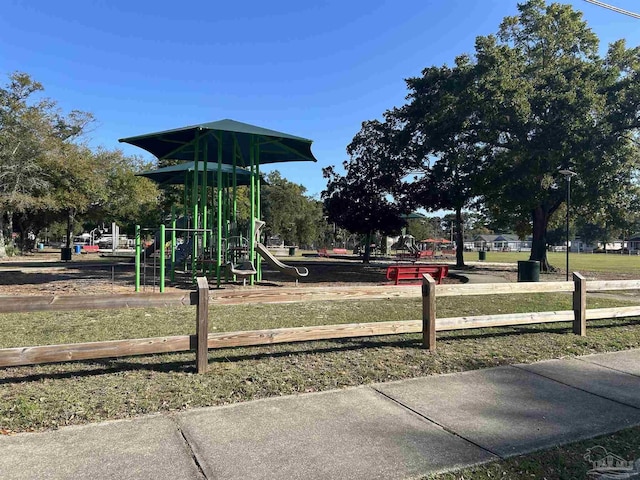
{"x": 568, "y": 175}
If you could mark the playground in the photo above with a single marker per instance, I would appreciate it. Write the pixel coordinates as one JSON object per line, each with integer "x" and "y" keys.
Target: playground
{"x": 43, "y": 273}
{"x": 206, "y": 234}
{"x": 88, "y": 274}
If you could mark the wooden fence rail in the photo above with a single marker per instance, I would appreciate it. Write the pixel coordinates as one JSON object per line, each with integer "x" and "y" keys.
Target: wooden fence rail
{"x": 202, "y": 298}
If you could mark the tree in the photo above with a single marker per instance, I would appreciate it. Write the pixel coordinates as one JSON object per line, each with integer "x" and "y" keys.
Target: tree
{"x": 34, "y": 135}
{"x": 125, "y": 198}
{"x": 360, "y": 201}
{"x": 615, "y": 220}
{"x": 548, "y": 101}
{"x": 424, "y": 228}
{"x": 288, "y": 212}
{"x": 436, "y": 140}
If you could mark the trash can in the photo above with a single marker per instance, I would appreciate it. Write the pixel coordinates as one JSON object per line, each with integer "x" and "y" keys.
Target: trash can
{"x": 292, "y": 251}
{"x": 77, "y": 249}
{"x": 40, "y": 247}
{"x": 65, "y": 253}
{"x": 528, "y": 271}
{"x": 482, "y": 255}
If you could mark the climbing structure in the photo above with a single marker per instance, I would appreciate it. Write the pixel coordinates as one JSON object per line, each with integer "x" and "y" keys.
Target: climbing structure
{"x": 230, "y": 153}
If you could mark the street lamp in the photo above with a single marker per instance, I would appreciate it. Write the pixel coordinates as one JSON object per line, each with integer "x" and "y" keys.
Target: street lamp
{"x": 568, "y": 175}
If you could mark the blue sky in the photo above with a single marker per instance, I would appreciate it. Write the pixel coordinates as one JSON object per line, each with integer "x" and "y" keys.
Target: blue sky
{"x": 313, "y": 69}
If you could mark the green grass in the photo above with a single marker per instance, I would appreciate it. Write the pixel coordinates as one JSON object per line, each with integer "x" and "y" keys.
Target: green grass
{"x": 47, "y": 396}
{"x": 560, "y": 463}
{"x": 579, "y": 262}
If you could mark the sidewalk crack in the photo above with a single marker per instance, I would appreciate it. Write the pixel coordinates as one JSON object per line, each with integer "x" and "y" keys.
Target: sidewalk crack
{"x": 581, "y": 359}
{"x": 443, "y": 427}
{"x": 619, "y": 402}
{"x": 190, "y": 451}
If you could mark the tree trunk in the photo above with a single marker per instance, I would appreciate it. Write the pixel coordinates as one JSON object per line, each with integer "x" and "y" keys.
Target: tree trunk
{"x": 539, "y": 245}
{"x": 3, "y": 250}
{"x": 10, "y": 228}
{"x": 459, "y": 239}
{"x": 70, "y": 218}
{"x": 367, "y": 248}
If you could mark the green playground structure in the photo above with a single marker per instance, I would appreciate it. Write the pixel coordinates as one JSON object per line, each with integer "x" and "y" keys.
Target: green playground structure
{"x": 214, "y": 160}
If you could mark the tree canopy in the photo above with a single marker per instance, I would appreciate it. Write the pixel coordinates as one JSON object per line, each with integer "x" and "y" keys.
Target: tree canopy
{"x": 360, "y": 201}
{"x": 289, "y": 213}
{"x": 48, "y": 174}
{"x": 497, "y": 127}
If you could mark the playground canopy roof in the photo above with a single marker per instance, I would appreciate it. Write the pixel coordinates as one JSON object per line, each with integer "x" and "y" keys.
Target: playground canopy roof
{"x": 179, "y": 174}
{"x": 413, "y": 216}
{"x": 180, "y": 143}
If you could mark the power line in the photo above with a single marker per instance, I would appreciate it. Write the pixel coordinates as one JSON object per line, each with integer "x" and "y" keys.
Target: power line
{"x": 615, "y": 9}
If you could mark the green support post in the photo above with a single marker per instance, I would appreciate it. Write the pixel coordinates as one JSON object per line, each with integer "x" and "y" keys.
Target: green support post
{"x": 205, "y": 240}
{"x": 234, "y": 213}
{"x": 252, "y": 213}
{"x": 203, "y": 197}
{"x": 173, "y": 243}
{"x": 138, "y": 252}
{"x": 219, "y": 210}
{"x": 194, "y": 206}
{"x": 162, "y": 256}
{"x": 210, "y": 226}
{"x": 258, "y": 210}
{"x": 194, "y": 247}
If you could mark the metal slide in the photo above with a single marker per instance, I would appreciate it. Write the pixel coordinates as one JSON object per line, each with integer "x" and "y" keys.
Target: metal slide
{"x": 278, "y": 265}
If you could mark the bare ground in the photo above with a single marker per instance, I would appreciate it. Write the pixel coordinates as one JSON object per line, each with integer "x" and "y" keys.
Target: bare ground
{"x": 43, "y": 273}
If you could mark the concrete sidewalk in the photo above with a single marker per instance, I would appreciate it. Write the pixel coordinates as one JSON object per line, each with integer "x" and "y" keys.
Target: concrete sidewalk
{"x": 394, "y": 430}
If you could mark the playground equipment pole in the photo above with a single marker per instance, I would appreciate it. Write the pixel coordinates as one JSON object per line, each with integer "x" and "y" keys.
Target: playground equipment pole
{"x": 194, "y": 239}
{"x": 235, "y": 193}
{"x": 173, "y": 243}
{"x": 252, "y": 213}
{"x": 194, "y": 205}
{"x": 203, "y": 196}
{"x": 137, "y": 274}
{"x": 257, "y": 173}
{"x": 162, "y": 256}
{"x": 219, "y": 201}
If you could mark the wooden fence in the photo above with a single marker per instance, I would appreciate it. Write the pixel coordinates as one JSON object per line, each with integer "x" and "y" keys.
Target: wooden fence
{"x": 202, "y": 298}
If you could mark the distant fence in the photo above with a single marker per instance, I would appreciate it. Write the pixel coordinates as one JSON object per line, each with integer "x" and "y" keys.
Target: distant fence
{"x": 202, "y": 298}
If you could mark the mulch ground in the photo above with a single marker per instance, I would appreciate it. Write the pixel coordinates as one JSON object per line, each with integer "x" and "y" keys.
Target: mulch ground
{"x": 44, "y": 274}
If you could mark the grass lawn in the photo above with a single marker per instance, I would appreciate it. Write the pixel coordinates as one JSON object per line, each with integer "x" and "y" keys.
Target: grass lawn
{"x": 578, "y": 262}
{"x": 48, "y": 396}
{"x": 562, "y": 463}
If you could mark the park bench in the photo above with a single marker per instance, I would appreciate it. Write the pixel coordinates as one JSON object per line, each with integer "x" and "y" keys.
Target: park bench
{"x": 90, "y": 248}
{"x": 322, "y": 252}
{"x": 340, "y": 251}
{"x": 397, "y": 273}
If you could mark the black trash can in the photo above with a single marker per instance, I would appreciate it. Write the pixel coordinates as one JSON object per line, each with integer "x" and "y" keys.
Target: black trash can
{"x": 528, "y": 271}
{"x": 482, "y": 255}
{"x": 65, "y": 253}
{"x": 292, "y": 251}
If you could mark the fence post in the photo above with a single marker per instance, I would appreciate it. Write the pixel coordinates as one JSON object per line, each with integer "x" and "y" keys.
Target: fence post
{"x": 202, "y": 326}
{"x": 579, "y": 305}
{"x": 428, "y": 312}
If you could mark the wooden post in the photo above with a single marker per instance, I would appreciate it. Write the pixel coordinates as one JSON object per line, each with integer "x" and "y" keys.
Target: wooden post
{"x": 428, "y": 312}
{"x": 202, "y": 325}
{"x": 580, "y": 305}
